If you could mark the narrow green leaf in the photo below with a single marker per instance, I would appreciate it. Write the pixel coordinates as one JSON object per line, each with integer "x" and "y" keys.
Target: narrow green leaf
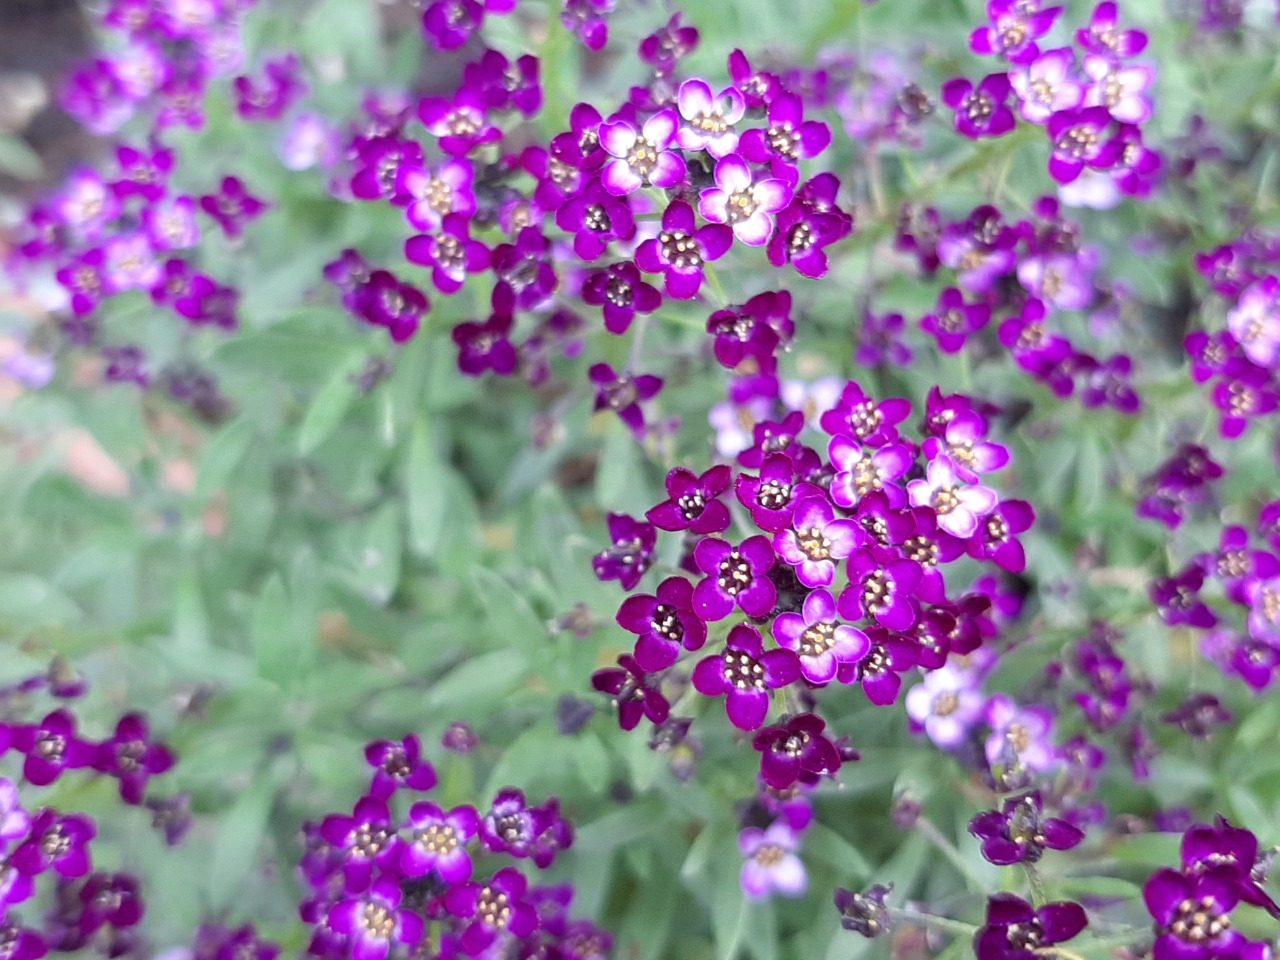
{"x": 728, "y": 917}
{"x": 426, "y": 480}
{"x": 235, "y": 851}
{"x": 328, "y": 410}
{"x": 481, "y": 680}
{"x": 222, "y": 456}
{"x": 272, "y": 633}
{"x": 378, "y": 555}
{"x": 508, "y": 613}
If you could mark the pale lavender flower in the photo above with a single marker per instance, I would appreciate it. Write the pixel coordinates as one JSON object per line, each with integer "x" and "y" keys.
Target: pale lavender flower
{"x": 1047, "y": 84}
{"x": 945, "y": 705}
{"x": 641, "y": 157}
{"x": 1022, "y": 732}
{"x": 709, "y": 119}
{"x": 14, "y": 820}
{"x": 1062, "y": 279}
{"x": 1121, "y": 88}
{"x": 772, "y": 864}
{"x": 1255, "y": 321}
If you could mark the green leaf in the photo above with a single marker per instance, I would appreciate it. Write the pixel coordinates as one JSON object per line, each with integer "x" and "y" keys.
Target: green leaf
{"x": 328, "y": 410}
{"x": 272, "y": 633}
{"x": 427, "y": 483}
{"x": 593, "y": 761}
{"x": 30, "y": 600}
{"x": 827, "y": 845}
{"x": 508, "y": 613}
{"x": 637, "y": 819}
{"x": 18, "y": 159}
{"x": 1096, "y": 887}
{"x": 235, "y": 851}
{"x": 378, "y": 555}
{"x": 483, "y": 679}
{"x": 728, "y": 917}
{"x": 222, "y": 456}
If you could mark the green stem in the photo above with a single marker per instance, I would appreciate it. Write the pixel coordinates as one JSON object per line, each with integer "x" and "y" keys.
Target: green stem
{"x": 1037, "y": 885}
{"x": 1130, "y": 937}
{"x": 714, "y": 280}
{"x": 931, "y": 921}
{"x": 949, "y": 850}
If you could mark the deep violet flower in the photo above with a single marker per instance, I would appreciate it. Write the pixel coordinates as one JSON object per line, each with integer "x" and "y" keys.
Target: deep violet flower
{"x": 663, "y": 622}
{"x": 132, "y": 757}
{"x": 681, "y": 249}
{"x": 743, "y": 674}
{"x": 232, "y": 206}
{"x": 794, "y": 748}
{"x": 694, "y": 502}
{"x": 1019, "y": 832}
{"x": 494, "y": 907}
{"x": 881, "y": 589}
{"x": 451, "y": 253}
{"x": 595, "y": 217}
{"x": 436, "y": 192}
{"x": 981, "y": 111}
{"x": 789, "y": 137}
{"x": 862, "y": 470}
{"x": 1015, "y": 930}
{"x": 398, "y": 763}
{"x": 51, "y": 746}
{"x": 1192, "y": 915}
{"x": 821, "y": 640}
{"x": 1015, "y": 27}
{"x": 1103, "y": 36}
{"x": 734, "y": 576}
{"x": 634, "y": 695}
{"x": 960, "y": 507}
{"x": 621, "y": 294}
{"x": 623, "y": 394}
{"x": 756, "y": 329}
{"x": 631, "y": 552}
{"x": 747, "y": 205}
{"x": 1079, "y": 141}
{"x": 487, "y": 346}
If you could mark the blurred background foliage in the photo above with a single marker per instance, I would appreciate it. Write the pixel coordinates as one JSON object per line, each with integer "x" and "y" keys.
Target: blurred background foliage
{"x": 323, "y": 565}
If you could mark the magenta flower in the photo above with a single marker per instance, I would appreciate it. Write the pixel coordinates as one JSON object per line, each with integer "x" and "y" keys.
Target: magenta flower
{"x": 386, "y": 301}
{"x": 398, "y": 764}
{"x": 1121, "y": 89}
{"x": 378, "y": 162}
{"x": 981, "y": 111}
{"x": 772, "y": 495}
{"x": 964, "y": 442}
{"x": 758, "y": 87}
{"x": 439, "y": 842}
{"x": 171, "y": 223}
{"x": 681, "y": 249}
{"x": 1020, "y": 833}
{"x": 642, "y": 157}
{"x": 132, "y": 757}
{"x": 755, "y": 329}
{"x": 880, "y": 589}
{"x": 861, "y": 471}
{"x": 772, "y": 865}
{"x": 493, "y": 908}
{"x": 821, "y": 640}
{"x": 663, "y": 624}
{"x": 817, "y": 541}
{"x": 232, "y": 206}
{"x": 587, "y": 19}
{"x": 375, "y": 919}
{"x": 595, "y": 217}
{"x": 526, "y": 267}
{"x": 461, "y": 122}
{"x": 743, "y": 674}
{"x": 1015, "y": 27}
{"x": 143, "y": 173}
{"x": 734, "y": 577}
{"x": 630, "y": 553}
{"x": 1255, "y": 321}
{"x": 449, "y": 24}
{"x": 280, "y": 89}
{"x": 487, "y": 346}
{"x": 1192, "y": 915}
{"x": 996, "y": 539}
{"x": 871, "y": 423}
{"x": 365, "y": 839}
{"x": 1104, "y": 36}
{"x": 623, "y": 394}
{"x": 953, "y": 321}
{"x": 668, "y": 44}
{"x": 451, "y": 253}
{"x": 960, "y": 507}
{"x": 51, "y": 746}
{"x": 1015, "y": 930}
{"x": 621, "y": 294}
{"x": 634, "y": 694}
{"x": 745, "y": 204}
{"x": 1078, "y": 142}
{"x": 796, "y": 748}
{"x": 789, "y": 137}
{"x": 1023, "y": 734}
{"x": 708, "y": 119}
{"x": 434, "y": 193}
{"x": 694, "y": 502}
{"x": 945, "y": 705}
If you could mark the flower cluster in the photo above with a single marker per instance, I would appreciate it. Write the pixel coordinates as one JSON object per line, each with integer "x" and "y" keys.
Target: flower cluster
{"x": 380, "y": 876}
{"x": 1090, "y": 98}
{"x": 44, "y": 847}
{"x": 838, "y": 561}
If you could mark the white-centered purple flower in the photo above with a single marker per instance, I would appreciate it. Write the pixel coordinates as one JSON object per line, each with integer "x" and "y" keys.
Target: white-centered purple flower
{"x": 14, "y": 820}
{"x": 1079, "y": 141}
{"x": 945, "y": 705}
{"x": 959, "y": 506}
{"x": 1047, "y": 84}
{"x": 816, "y": 541}
{"x": 772, "y": 865}
{"x": 744, "y": 674}
{"x": 642, "y": 157}
{"x": 964, "y": 442}
{"x": 375, "y": 919}
{"x": 1255, "y": 321}
{"x": 819, "y": 637}
{"x": 439, "y": 842}
{"x": 1120, "y": 88}
{"x": 744, "y": 203}
{"x": 708, "y": 118}
{"x": 863, "y": 470}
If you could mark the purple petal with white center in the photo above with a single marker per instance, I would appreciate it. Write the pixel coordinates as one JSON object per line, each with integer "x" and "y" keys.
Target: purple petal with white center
{"x": 733, "y": 175}
{"x": 755, "y": 230}
{"x": 617, "y": 137}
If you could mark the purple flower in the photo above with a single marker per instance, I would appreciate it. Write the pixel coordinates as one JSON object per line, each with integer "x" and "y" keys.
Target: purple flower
{"x": 1077, "y": 138}
{"x": 681, "y": 248}
{"x": 996, "y": 539}
{"x": 143, "y": 173}
{"x": 1020, "y": 833}
{"x": 451, "y": 253}
{"x": 51, "y": 746}
{"x": 511, "y": 826}
{"x": 668, "y": 44}
{"x": 743, "y": 674}
{"x": 772, "y": 496}
{"x": 435, "y": 193}
{"x": 945, "y": 705}
{"x": 171, "y": 224}
{"x": 398, "y": 764}
{"x": 633, "y": 695}
{"x": 1120, "y": 89}
{"x": 1023, "y": 734}
{"x": 367, "y": 838}
{"x": 1178, "y": 599}
{"x": 232, "y": 206}
{"x": 758, "y": 87}
{"x": 280, "y": 89}
{"x": 734, "y": 576}
{"x": 772, "y": 865}
{"x": 1047, "y": 85}
{"x": 586, "y": 18}
{"x": 821, "y": 640}
{"x": 663, "y": 623}
{"x": 131, "y": 756}
{"x": 709, "y": 119}
{"x": 789, "y": 137}
{"x": 526, "y": 267}
{"x": 795, "y": 748}
{"x": 871, "y": 423}
{"x": 60, "y": 842}
{"x": 881, "y": 589}
{"x": 631, "y": 552}
{"x": 1192, "y": 914}
{"x": 375, "y": 919}
{"x": 745, "y": 204}
{"x": 623, "y": 394}
{"x": 461, "y": 122}
{"x": 1017, "y": 931}
{"x": 1015, "y": 27}
{"x": 1104, "y": 36}
{"x": 1263, "y": 597}
{"x": 965, "y": 446}
{"x": 755, "y": 329}
{"x": 595, "y": 217}
{"x": 493, "y": 908}
{"x": 817, "y": 541}
{"x": 860, "y": 471}
{"x": 487, "y": 346}
{"x": 449, "y": 24}
{"x": 960, "y": 507}
{"x": 981, "y": 111}
{"x": 15, "y": 822}
{"x": 379, "y": 160}
{"x": 694, "y": 502}
{"x": 641, "y": 157}
{"x": 1255, "y": 321}
{"x": 621, "y": 294}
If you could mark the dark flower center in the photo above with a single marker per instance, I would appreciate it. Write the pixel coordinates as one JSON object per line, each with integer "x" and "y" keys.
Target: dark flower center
{"x": 773, "y": 494}
{"x": 946, "y": 499}
{"x": 1025, "y": 936}
{"x": 55, "y": 843}
{"x": 877, "y": 592}
{"x": 794, "y": 745}
{"x": 680, "y": 249}
{"x": 800, "y": 238}
{"x": 50, "y": 746}
{"x": 449, "y": 253}
{"x": 510, "y": 828}
{"x": 692, "y": 504}
{"x": 743, "y": 670}
{"x": 865, "y": 419}
{"x": 734, "y": 574}
{"x": 369, "y": 840}
{"x": 922, "y": 550}
{"x": 666, "y": 623}
{"x": 997, "y": 530}
{"x": 597, "y": 219}
{"x": 439, "y": 195}
{"x": 978, "y": 106}
{"x": 741, "y": 205}
{"x": 619, "y": 292}
{"x": 1078, "y": 142}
